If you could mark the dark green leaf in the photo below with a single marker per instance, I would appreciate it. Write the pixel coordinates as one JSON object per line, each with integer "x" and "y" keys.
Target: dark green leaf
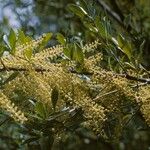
{"x": 78, "y": 54}
{"x": 54, "y": 97}
{"x": 12, "y": 41}
{"x": 90, "y": 26}
{"x": 29, "y": 140}
{"x": 78, "y": 10}
{"x": 124, "y": 46}
{"x": 11, "y": 77}
{"x": 68, "y": 51}
{"x": 101, "y": 28}
{"x": 40, "y": 109}
{"x": 2, "y": 49}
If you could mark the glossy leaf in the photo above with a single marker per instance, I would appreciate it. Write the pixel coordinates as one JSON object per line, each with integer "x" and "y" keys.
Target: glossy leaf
{"x": 78, "y": 54}
{"x": 101, "y": 28}
{"x": 22, "y": 38}
{"x": 46, "y": 39}
{"x": 83, "y": 4}
{"x": 12, "y": 41}
{"x": 124, "y": 46}
{"x": 68, "y": 51}
{"x": 28, "y": 53}
{"x": 61, "y": 39}
{"x": 90, "y": 26}
{"x": 40, "y": 109}
{"x": 78, "y": 10}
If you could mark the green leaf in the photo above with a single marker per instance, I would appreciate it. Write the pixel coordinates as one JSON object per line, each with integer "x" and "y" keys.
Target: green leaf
{"x": 90, "y": 26}
{"x": 2, "y": 49}
{"x": 83, "y": 4}
{"x": 126, "y": 119}
{"x": 12, "y": 41}
{"x": 11, "y": 77}
{"x": 40, "y": 109}
{"x": 45, "y": 40}
{"x": 124, "y": 46}
{"x": 129, "y": 65}
{"x": 68, "y": 51}
{"x": 29, "y": 140}
{"x": 78, "y": 10}
{"x": 78, "y": 54}
{"x": 28, "y": 53}
{"x": 54, "y": 97}
{"x": 61, "y": 39}
{"x": 101, "y": 28}
{"x": 22, "y": 38}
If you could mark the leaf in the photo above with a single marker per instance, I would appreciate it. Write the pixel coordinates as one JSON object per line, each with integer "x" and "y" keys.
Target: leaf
{"x": 101, "y": 28}
{"x": 61, "y": 39}
{"x": 22, "y": 38}
{"x": 68, "y": 51}
{"x": 126, "y": 119}
{"x": 78, "y": 10}
{"x": 54, "y": 97}
{"x": 45, "y": 40}
{"x": 40, "y": 109}
{"x": 12, "y": 41}
{"x": 28, "y": 53}
{"x": 127, "y": 20}
{"x": 2, "y": 49}
{"x": 124, "y": 46}
{"x": 129, "y": 65}
{"x": 11, "y": 77}
{"x": 83, "y": 4}
{"x": 29, "y": 140}
{"x": 78, "y": 54}
{"x": 90, "y": 26}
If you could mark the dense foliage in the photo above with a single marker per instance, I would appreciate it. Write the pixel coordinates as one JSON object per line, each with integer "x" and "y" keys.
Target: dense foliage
{"x": 83, "y": 83}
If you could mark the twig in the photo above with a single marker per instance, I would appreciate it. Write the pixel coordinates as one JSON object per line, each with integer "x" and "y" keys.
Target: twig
{"x": 109, "y": 11}
{"x": 114, "y": 15}
{"x": 4, "y": 121}
{"x": 21, "y": 69}
{"x": 111, "y": 92}
{"x": 127, "y": 76}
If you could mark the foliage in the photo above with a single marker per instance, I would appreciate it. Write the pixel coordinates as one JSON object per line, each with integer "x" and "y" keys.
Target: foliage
{"x": 89, "y": 91}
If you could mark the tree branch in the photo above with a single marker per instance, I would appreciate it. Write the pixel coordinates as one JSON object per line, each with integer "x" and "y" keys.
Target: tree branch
{"x": 127, "y": 76}
{"x": 113, "y": 14}
{"x": 21, "y": 69}
{"x": 109, "y": 11}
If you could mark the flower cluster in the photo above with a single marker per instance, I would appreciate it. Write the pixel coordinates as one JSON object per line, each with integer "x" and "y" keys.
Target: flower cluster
{"x": 100, "y": 94}
{"x": 10, "y": 107}
{"x": 143, "y": 99}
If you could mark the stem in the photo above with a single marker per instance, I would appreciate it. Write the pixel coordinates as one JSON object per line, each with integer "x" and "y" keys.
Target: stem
{"x": 127, "y": 76}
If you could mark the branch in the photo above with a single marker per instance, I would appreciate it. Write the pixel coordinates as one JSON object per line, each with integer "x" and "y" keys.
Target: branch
{"x": 113, "y": 14}
{"x": 21, "y": 69}
{"x": 127, "y": 76}
{"x": 109, "y": 11}
{"x": 117, "y": 9}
